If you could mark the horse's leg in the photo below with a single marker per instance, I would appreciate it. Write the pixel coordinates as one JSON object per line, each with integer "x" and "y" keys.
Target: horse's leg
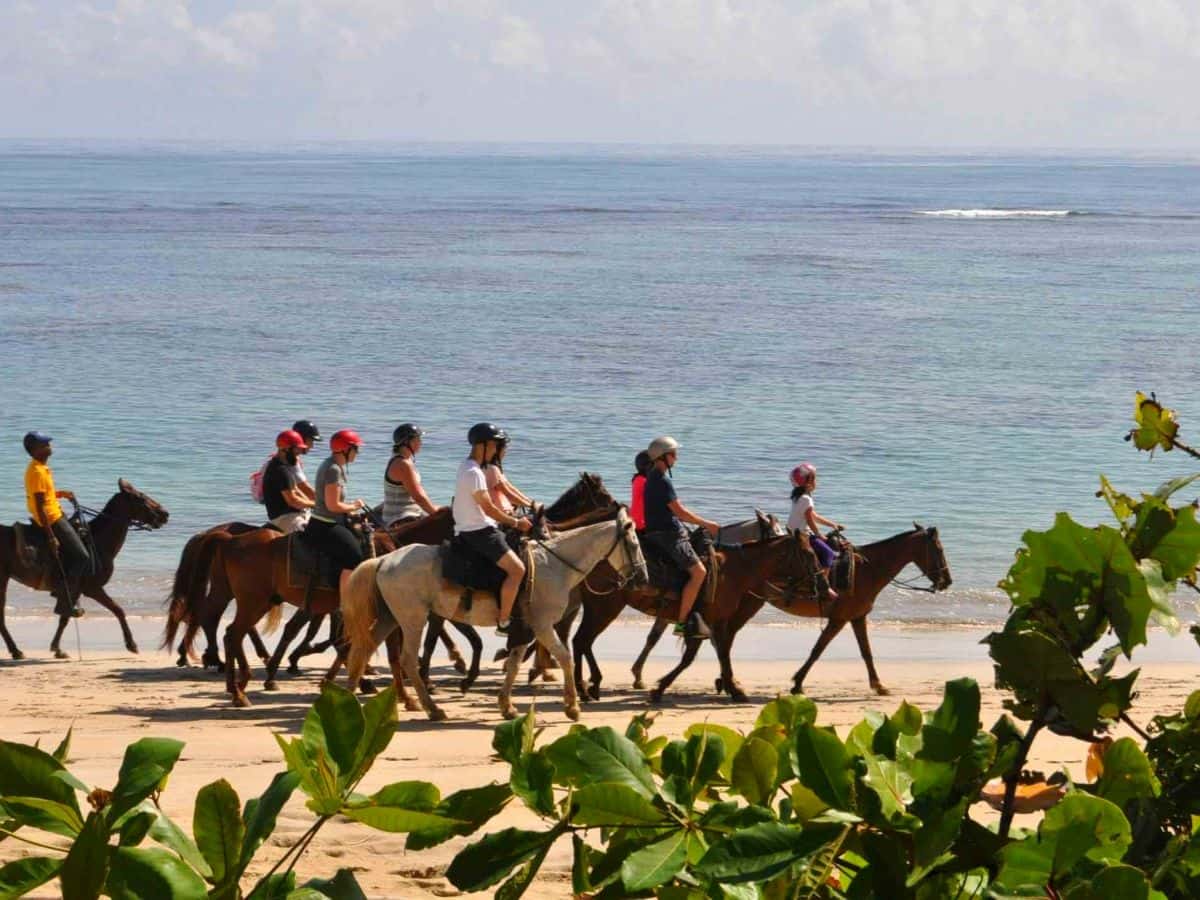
{"x": 476, "y": 643}
{"x": 234, "y": 634}
{"x": 101, "y": 596}
{"x": 298, "y": 620}
{"x": 724, "y": 647}
{"x": 460, "y": 664}
{"x": 306, "y": 646}
{"x": 864, "y": 647}
{"x": 549, "y": 639}
{"x": 512, "y": 665}
{"x": 212, "y": 652}
{"x": 832, "y": 627}
{"x": 55, "y": 643}
{"x": 656, "y": 632}
{"x": 410, "y": 665}
{"x": 395, "y": 645}
{"x": 434, "y": 630}
{"x": 598, "y": 614}
{"x": 13, "y": 650}
{"x": 259, "y": 647}
{"x": 690, "y": 649}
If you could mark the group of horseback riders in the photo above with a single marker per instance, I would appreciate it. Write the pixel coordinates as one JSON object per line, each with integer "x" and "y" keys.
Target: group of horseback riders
{"x": 485, "y": 504}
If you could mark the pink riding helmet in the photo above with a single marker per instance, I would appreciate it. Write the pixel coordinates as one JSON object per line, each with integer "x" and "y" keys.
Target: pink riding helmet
{"x": 802, "y": 473}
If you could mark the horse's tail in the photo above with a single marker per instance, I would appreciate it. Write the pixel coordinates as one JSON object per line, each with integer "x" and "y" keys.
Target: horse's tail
{"x": 358, "y": 615}
{"x": 273, "y": 618}
{"x": 189, "y": 589}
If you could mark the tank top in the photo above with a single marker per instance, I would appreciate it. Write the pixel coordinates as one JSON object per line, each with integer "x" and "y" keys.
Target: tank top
{"x": 398, "y": 503}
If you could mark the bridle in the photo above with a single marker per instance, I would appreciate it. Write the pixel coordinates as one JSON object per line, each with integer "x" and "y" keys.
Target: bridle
{"x": 622, "y": 579}
{"x": 935, "y": 579}
{"x": 135, "y": 524}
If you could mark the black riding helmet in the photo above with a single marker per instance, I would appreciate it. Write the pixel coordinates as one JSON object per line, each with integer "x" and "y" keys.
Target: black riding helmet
{"x": 406, "y": 433}
{"x": 307, "y": 430}
{"x": 486, "y": 431}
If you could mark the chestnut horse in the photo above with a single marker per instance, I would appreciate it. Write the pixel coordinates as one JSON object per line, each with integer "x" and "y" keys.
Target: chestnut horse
{"x": 128, "y": 508}
{"x": 742, "y": 573}
{"x": 878, "y": 565}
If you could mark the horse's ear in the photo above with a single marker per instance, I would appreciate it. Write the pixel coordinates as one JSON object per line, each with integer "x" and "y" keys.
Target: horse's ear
{"x": 125, "y": 486}
{"x": 916, "y": 527}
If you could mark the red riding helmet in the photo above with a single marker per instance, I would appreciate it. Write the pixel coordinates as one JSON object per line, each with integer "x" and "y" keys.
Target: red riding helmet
{"x": 343, "y": 440}
{"x": 288, "y": 439}
{"x": 802, "y": 473}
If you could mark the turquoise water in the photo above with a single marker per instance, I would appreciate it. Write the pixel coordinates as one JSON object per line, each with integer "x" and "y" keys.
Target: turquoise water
{"x": 951, "y": 339}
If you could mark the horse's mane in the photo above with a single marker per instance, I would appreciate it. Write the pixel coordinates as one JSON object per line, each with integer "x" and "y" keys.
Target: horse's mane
{"x": 586, "y": 481}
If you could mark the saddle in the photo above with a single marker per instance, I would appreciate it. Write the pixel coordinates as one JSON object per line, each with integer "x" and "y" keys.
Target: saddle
{"x": 33, "y": 551}
{"x": 473, "y": 572}
{"x": 666, "y": 575}
{"x": 841, "y": 573}
{"x": 309, "y": 567}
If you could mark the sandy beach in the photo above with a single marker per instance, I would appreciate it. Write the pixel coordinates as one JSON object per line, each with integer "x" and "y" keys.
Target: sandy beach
{"x": 112, "y": 698}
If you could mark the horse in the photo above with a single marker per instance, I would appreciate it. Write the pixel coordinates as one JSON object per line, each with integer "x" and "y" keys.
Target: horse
{"x": 742, "y": 572}
{"x": 127, "y": 508}
{"x": 878, "y": 565}
{"x": 410, "y": 583}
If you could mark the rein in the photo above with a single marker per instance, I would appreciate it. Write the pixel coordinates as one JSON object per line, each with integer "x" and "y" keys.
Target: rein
{"x": 135, "y": 524}
{"x": 911, "y": 583}
{"x": 622, "y": 579}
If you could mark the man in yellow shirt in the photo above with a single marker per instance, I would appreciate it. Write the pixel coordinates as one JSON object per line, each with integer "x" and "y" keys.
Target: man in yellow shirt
{"x": 42, "y": 499}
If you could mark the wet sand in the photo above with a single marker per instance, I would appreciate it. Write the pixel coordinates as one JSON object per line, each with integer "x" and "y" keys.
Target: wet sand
{"x": 113, "y": 698}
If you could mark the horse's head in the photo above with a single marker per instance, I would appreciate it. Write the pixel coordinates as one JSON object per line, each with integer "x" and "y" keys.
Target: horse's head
{"x": 141, "y": 508}
{"x": 586, "y": 495}
{"x": 633, "y": 563}
{"x": 930, "y": 558}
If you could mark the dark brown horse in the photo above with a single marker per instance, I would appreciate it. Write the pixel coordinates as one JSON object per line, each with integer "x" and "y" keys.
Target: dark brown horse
{"x": 741, "y": 576}
{"x": 128, "y": 508}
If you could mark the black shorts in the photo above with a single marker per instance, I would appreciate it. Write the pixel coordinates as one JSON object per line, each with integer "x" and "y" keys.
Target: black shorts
{"x": 487, "y": 542}
{"x": 675, "y": 545}
{"x": 338, "y": 541}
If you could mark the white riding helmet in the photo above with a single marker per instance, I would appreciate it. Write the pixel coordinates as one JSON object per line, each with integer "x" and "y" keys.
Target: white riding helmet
{"x": 661, "y": 446}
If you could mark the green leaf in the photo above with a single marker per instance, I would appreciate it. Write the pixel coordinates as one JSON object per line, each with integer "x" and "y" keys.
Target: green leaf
{"x": 274, "y": 887}
{"x": 908, "y": 718}
{"x": 892, "y": 786}
{"x": 788, "y": 711}
{"x": 939, "y": 830}
{"x": 28, "y": 772}
{"x": 823, "y": 766}
{"x": 514, "y": 738}
{"x": 21, "y": 876}
{"x": 342, "y": 886}
{"x": 63, "y": 750}
{"x": 86, "y": 865}
{"x": 1113, "y": 883}
{"x": 1082, "y": 825}
{"x": 695, "y": 761}
{"x": 307, "y": 757}
{"x": 762, "y": 851}
{"x": 145, "y": 767}
{"x": 219, "y": 830}
{"x": 1120, "y": 504}
{"x": 342, "y": 725}
{"x": 1169, "y": 488}
{"x": 611, "y": 758}
{"x": 261, "y": 813}
{"x": 516, "y": 886}
{"x": 401, "y": 807}
{"x": 954, "y": 724}
{"x": 613, "y": 804}
{"x": 135, "y": 826}
{"x": 471, "y": 808}
{"x": 1127, "y": 774}
{"x": 1179, "y": 549}
{"x": 730, "y": 738}
{"x": 532, "y": 780}
{"x": 655, "y": 863}
{"x": 755, "y": 771}
{"x": 564, "y": 754}
{"x": 1157, "y": 425}
{"x": 139, "y": 873}
{"x": 379, "y": 726}
{"x": 581, "y": 864}
{"x": 166, "y": 832}
{"x": 48, "y": 815}
{"x": 489, "y": 860}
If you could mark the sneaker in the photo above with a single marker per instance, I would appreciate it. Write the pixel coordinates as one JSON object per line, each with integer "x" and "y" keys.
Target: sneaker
{"x": 680, "y": 630}
{"x": 503, "y": 626}
{"x": 696, "y": 628}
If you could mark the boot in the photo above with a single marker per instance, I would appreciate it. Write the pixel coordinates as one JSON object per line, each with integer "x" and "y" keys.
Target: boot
{"x": 694, "y": 627}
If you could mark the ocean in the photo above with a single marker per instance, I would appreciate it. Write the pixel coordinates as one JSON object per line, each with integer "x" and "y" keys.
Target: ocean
{"x": 953, "y": 339}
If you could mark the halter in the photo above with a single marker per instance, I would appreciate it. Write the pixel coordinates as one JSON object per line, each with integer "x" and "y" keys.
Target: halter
{"x": 943, "y": 569}
{"x": 135, "y": 524}
{"x": 622, "y": 580}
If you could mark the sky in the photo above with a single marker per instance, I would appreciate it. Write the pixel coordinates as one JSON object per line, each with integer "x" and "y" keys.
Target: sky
{"x": 887, "y": 73}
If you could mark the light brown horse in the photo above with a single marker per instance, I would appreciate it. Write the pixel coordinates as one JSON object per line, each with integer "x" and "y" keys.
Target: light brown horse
{"x": 741, "y": 575}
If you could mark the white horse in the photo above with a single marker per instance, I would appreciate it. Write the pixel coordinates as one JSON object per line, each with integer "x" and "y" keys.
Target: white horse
{"x": 409, "y": 580}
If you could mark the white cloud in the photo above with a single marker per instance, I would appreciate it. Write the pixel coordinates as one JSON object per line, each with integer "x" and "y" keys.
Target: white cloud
{"x": 519, "y": 46}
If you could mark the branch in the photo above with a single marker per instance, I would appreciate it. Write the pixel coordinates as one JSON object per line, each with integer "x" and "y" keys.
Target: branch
{"x": 1010, "y": 780}
{"x": 1180, "y": 445}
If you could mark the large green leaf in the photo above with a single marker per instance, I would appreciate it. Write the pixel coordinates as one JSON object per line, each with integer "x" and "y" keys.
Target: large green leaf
{"x": 146, "y": 764}
{"x": 309, "y": 759}
{"x": 379, "y": 726}
{"x": 892, "y": 787}
{"x": 516, "y": 886}
{"x": 261, "y": 813}
{"x": 22, "y": 876}
{"x": 755, "y": 773}
{"x": 613, "y": 804}
{"x": 470, "y": 808}
{"x": 342, "y": 886}
{"x": 954, "y": 724}
{"x": 1084, "y": 826}
{"x": 823, "y": 766}
{"x": 563, "y": 753}
{"x": 164, "y": 831}
{"x": 939, "y": 830}
{"x": 655, "y": 863}
{"x": 401, "y": 807}
{"x": 762, "y": 851}
{"x": 28, "y": 772}
{"x": 876, "y": 733}
{"x": 48, "y": 815}
{"x": 1112, "y": 883}
{"x": 219, "y": 830}
{"x": 532, "y": 780}
{"x": 1127, "y": 774}
{"x": 611, "y": 758}
{"x": 730, "y": 738}
{"x": 514, "y": 738}
{"x": 63, "y": 750}
{"x": 276, "y": 886}
{"x": 489, "y": 860}
{"x": 148, "y": 873}
{"x": 84, "y": 870}
{"x": 340, "y": 718}
{"x": 789, "y": 711}
{"x": 696, "y": 761}
{"x": 1179, "y": 549}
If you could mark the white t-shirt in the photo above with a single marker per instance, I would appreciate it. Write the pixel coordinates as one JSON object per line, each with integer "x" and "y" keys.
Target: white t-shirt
{"x": 298, "y": 471}
{"x": 467, "y": 514}
{"x": 798, "y": 520}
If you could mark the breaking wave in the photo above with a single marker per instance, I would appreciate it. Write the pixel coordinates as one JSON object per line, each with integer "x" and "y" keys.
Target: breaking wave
{"x": 998, "y": 213}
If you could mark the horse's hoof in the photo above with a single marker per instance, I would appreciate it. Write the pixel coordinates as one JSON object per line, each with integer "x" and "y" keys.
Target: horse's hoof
{"x": 638, "y": 684}
{"x": 437, "y": 715}
{"x": 367, "y": 686}
{"x": 880, "y": 689}
{"x": 181, "y": 662}
{"x": 270, "y": 685}
{"x": 593, "y": 692}
{"x": 132, "y": 647}
{"x": 464, "y": 685}
{"x": 572, "y": 713}
{"x": 737, "y": 695}
{"x": 369, "y": 670}
{"x": 533, "y": 674}
{"x": 460, "y": 666}
{"x": 719, "y": 685}
{"x": 17, "y": 654}
{"x": 547, "y": 675}
{"x": 510, "y": 713}
{"x": 241, "y": 701}
{"x": 293, "y": 669}
{"x": 265, "y": 660}
{"x": 412, "y": 706}
{"x": 219, "y": 668}
{"x": 60, "y": 654}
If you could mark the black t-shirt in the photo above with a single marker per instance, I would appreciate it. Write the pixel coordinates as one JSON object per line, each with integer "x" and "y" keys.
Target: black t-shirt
{"x": 276, "y": 479}
{"x": 659, "y": 493}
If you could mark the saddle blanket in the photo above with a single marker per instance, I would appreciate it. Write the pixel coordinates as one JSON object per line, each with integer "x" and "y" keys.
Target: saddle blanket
{"x": 304, "y": 560}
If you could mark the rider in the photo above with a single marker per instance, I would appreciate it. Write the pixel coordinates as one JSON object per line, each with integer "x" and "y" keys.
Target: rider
{"x": 504, "y": 493}
{"x": 327, "y": 528}
{"x": 664, "y": 528}
{"x": 637, "y": 500}
{"x": 65, "y": 543}
{"x": 804, "y": 516}
{"x": 287, "y": 504}
{"x": 403, "y": 496}
{"x": 477, "y": 517}
{"x": 311, "y": 435}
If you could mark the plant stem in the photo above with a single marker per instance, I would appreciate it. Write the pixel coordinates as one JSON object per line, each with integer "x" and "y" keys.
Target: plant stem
{"x": 292, "y": 849}
{"x": 1010, "y": 780}
{"x": 12, "y": 834}
{"x": 1180, "y": 445}
{"x": 1134, "y": 725}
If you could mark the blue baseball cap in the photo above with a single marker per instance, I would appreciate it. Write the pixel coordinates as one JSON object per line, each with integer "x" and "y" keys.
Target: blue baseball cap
{"x": 35, "y": 439}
